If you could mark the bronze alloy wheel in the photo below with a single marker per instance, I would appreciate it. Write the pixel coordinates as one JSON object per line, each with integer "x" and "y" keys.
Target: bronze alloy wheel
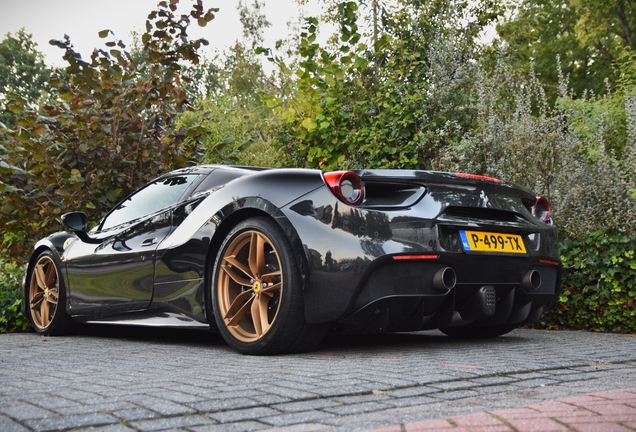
{"x": 249, "y": 286}
{"x": 44, "y": 292}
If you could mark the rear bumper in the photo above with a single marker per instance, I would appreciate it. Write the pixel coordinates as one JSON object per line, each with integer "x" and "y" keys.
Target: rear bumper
{"x": 487, "y": 291}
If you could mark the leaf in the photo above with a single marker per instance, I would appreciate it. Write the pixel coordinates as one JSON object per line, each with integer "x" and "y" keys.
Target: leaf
{"x": 104, "y": 33}
{"x": 309, "y": 124}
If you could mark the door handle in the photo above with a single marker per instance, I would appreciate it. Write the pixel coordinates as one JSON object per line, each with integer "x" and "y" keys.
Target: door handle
{"x": 149, "y": 242}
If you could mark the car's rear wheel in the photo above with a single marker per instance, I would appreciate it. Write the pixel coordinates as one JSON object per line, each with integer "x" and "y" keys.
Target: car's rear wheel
{"x": 257, "y": 293}
{"x": 47, "y": 297}
{"x": 469, "y": 332}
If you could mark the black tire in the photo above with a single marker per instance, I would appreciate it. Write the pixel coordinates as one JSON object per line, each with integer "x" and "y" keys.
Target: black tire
{"x": 469, "y": 332}
{"x": 46, "y": 296}
{"x": 256, "y": 292}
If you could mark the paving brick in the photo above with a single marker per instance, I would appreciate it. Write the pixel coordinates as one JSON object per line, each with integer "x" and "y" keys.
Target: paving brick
{"x": 476, "y": 420}
{"x": 359, "y": 398}
{"x": 8, "y": 425}
{"x": 244, "y": 426}
{"x": 134, "y": 414}
{"x": 162, "y": 406}
{"x": 70, "y": 422}
{"x": 430, "y": 425}
{"x": 296, "y": 418}
{"x": 601, "y": 427}
{"x": 411, "y": 391}
{"x": 454, "y": 394}
{"x": 537, "y": 424}
{"x": 109, "y": 428}
{"x": 313, "y": 404}
{"x": 172, "y": 423}
{"x": 243, "y": 414}
{"x": 453, "y": 385}
{"x": 410, "y": 401}
{"x": 356, "y": 408}
{"x": 224, "y": 404}
{"x": 94, "y": 408}
{"x": 24, "y": 411}
{"x": 490, "y": 380}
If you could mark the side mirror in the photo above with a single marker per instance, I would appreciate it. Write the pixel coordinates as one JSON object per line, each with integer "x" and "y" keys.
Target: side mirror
{"x": 75, "y": 221}
{"x": 78, "y": 223}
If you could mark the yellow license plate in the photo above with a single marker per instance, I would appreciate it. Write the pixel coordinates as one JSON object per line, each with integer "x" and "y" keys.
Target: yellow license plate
{"x": 480, "y": 241}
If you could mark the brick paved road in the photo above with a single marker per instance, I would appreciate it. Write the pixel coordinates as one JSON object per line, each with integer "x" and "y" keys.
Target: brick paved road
{"x": 124, "y": 379}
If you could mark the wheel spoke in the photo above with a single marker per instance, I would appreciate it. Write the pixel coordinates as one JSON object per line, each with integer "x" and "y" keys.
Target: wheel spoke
{"x": 259, "y": 315}
{"x": 37, "y": 299}
{"x": 239, "y": 280}
{"x": 40, "y": 276}
{"x": 271, "y": 275}
{"x": 52, "y": 299}
{"x": 271, "y": 290}
{"x": 238, "y": 308}
{"x": 51, "y": 276}
{"x": 234, "y": 263}
{"x": 44, "y": 313}
{"x": 257, "y": 255}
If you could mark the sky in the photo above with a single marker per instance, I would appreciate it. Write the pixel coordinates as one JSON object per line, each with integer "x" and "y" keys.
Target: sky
{"x": 83, "y": 19}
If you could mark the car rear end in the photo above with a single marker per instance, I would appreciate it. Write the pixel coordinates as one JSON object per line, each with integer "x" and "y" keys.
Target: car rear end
{"x": 432, "y": 250}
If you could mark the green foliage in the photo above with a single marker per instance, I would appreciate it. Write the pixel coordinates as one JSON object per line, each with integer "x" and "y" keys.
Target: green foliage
{"x": 516, "y": 136}
{"x": 541, "y": 30}
{"x": 599, "y": 285}
{"x": 391, "y": 99}
{"x": 113, "y": 130}
{"x": 590, "y": 36}
{"x": 22, "y": 72}
{"x": 580, "y": 153}
{"x": 11, "y": 318}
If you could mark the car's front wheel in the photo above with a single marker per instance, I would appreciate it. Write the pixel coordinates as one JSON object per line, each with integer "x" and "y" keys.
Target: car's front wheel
{"x": 257, "y": 294}
{"x": 47, "y": 297}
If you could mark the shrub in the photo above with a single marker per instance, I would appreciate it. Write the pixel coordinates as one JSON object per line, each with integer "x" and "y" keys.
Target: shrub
{"x": 599, "y": 285}
{"x": 11, "y": 318}
{"x": 113, "y": 130}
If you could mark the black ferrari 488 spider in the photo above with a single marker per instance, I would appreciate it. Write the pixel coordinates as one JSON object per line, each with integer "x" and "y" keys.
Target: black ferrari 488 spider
{"x": 273, "y": 259}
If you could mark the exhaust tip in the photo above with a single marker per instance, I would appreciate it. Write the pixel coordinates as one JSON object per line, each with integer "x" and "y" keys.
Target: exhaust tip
{"x": 531, "y": 280}
{"x": 444, "y": 279}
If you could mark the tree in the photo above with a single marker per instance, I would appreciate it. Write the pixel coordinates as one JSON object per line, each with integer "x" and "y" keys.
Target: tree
{"x": 591, "y": 37}
{"x": 391, "y": 97}
{"x": 22, "y": 72}
{"x": 236, "y": 121}
{"x": 113, "y": 130}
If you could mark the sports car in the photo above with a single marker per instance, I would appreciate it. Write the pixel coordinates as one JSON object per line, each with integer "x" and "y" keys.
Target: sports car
{"x": 274, "y": 259}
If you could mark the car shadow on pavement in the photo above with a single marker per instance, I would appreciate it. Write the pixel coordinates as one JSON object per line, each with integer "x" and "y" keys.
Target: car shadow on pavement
{"x": 390, "y": 342}
{"x": 334, "y": 344}
{"x": 167, "y": 335}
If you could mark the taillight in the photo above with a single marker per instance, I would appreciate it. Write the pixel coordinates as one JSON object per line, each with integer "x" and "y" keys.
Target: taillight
{"x": 346, "y": 186}
{"x": 541, "y": 210}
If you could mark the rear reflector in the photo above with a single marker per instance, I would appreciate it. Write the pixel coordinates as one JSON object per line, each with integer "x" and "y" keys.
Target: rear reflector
{"x": 414, "y": 257}
{"x": 551, "y": 262}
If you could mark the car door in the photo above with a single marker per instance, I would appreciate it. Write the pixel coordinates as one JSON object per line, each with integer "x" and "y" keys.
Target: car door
{"x": 118, "y": 274}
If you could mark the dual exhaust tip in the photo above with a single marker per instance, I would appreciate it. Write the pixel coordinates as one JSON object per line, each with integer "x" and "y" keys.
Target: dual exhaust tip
{"x": 445, "y": 279}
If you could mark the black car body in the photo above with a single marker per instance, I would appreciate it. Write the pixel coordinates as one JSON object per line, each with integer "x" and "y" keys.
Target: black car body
{"x": 289, "y": 254}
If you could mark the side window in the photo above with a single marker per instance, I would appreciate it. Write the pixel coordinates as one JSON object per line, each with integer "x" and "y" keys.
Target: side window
{"x": 151, "y": 198}
{"x": 218, "y": 177}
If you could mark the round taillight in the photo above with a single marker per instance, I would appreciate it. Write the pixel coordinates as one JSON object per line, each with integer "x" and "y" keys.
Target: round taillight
{"x": 541, "y": 210}
{"x": 347, "y": 186}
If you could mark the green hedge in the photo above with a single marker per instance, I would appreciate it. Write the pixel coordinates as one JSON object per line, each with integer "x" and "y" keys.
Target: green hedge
{"x": 598, "y": 286}
{"x": 11, "y": 318}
